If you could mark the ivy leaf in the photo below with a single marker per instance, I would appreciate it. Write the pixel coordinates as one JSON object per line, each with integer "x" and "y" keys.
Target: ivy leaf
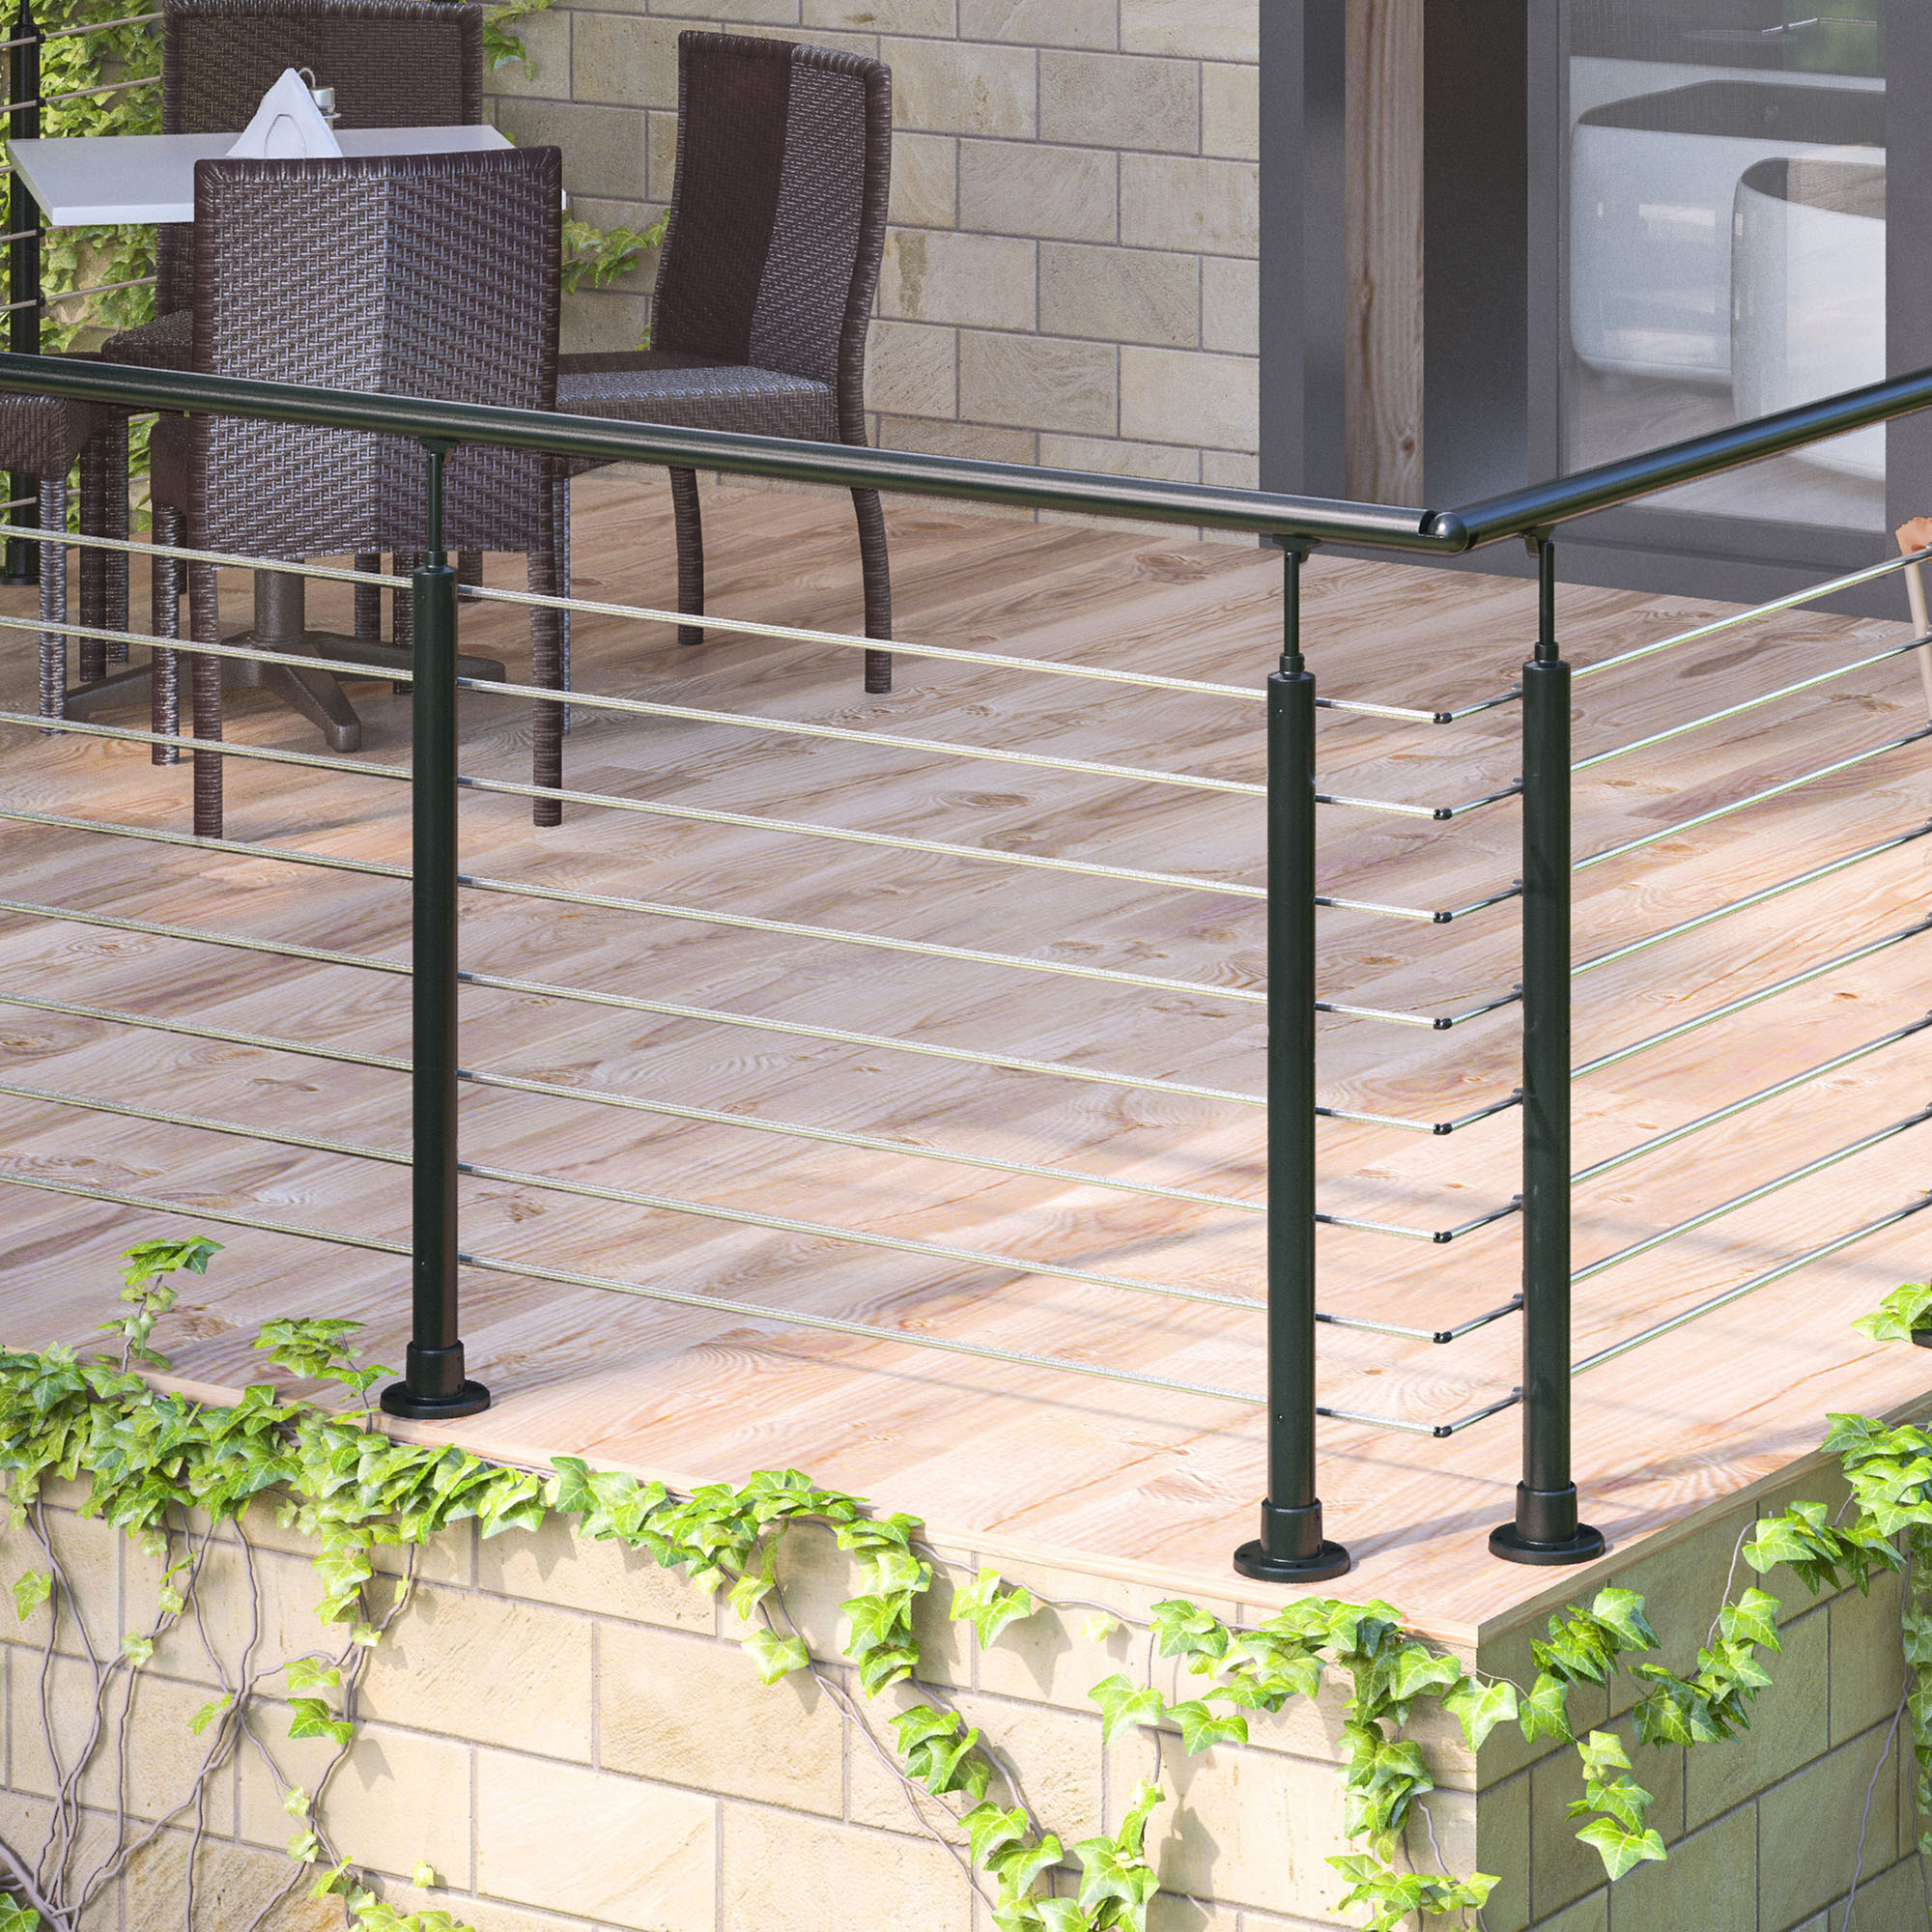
{"x": 1751, "y": 1619}
{"x": 1183, "y": 1631}
{"x": 31, "y": 1591}
{"x": 1201, "y": 1729}
{"x": 136, "y": 1648}
{"x": 1896, "y": 1315}
{"x": 1099, "y": 1626}
{"x": 989, "y": 1830}
{"x": 423, "y": 1877}
{"x": 295, "y": 1802}
{"x": 304, "y": 1673}
{"x": 1622, "y": 1612}
{"x": 1019, "y": 1866}
{"x": 1620, "y": 1850}
{"x": 305, "y": 1848}
{"x": 1479, "y": 1706}
{"x": 1122, "y": 1707}
{"x": 775, "y": 1656}
{"x": 313, "y": 1718}
{"x": 1545, "y": 1712}
{"x": 208, "y": 1714}
{"x": 1417, "y": 1669}
{"x": 988, "y": 1608}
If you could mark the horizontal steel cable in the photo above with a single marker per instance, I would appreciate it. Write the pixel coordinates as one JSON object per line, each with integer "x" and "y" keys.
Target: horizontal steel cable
{"x": 1437, "y": 1335}
{"x": 1439, "y": 1237}
{"x": 1438, "y": 1430}
{"x": 1758, "y": 1193}
{"x": 1750, "y": 899}
{"x": 280, "y": 948}
{"x": 1409, "y": 714}
{"x": 1420, "y": 914}
{"x": 633, "y": 1198}
{"x": 843, "y": 1037}
{"x": 836, "y": 1137}
{"x": 155, "y": 1205}
{"x": 96, "y": 289}
{"x": 189, "y": 1030}
{"x": 1832, "y": 770}
{"x": 1824, "y": 1252}
{"x": 970, "y": 956}
{"x": 937, "y": 849}
{"x": 1739, "y": 1004}
{"x": 1449, "y": 1126}
{"x": 93, "y": 27}
{"x": 1718, "y": 1116}
{"x": 1439, "y": 814}
{"x": 1748, "y": 704}
{"x": 1435, "y": 1022}
{"x": 1809, "y": 595}
{"x": 181, "y": 553}
{"x": 865, "y": 1331}
{"x": 311, "y": 760}
{"x": 286, "y": 855}
{"x": 84, "y": 92}
{"x": 686, "y": 714}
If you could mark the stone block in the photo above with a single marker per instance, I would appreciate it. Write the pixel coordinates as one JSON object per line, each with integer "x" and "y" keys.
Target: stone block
{"x": 1120, "y": 459}
{"x": 477, "y": 1914}
{"x": 626, "y": 59}
{"x": 981, "y": 440}
{"x": 1174, "y": 395}
{"x": 602, "y": 147}
{"x": 1808, "y": 1825}
{"x": 947, "y": 87}
{"x": 693, "y": 1711}
{"x": 1231, "y": 112}
{"x": 1041, "y": 23}
{"x": 1887, "y": 1898}
{"x": 833, "y": 1878}
{"x": 1178, "y": 201}
{"x": 883, "y": 16}
{"x": 912, "y": 370}
{"x": 233, "y": 1883}
{"x": 1120, "y": 295}
{"x": 491, "y": 1670}
{"x": 741, "y": 13}
{"x": 661, "y": 153}
{"x": 1099, "y": 100}
{"x": 1230, "y": 469}
{"x": 283, "y": 1598}
{"x": 397, "y": 1798}
{"x": 640, "y": 280}
{"x": 1056, "y": 1753}
{"x": 1788, "y": 1729}
{"x": 1502, "y": 1848}
{"x": 89, "y": 1552}
{"x": 1231, "y": 304}
{"x": 596, "y": 1845}
{"x": 593, "y": 322}
{"x": 1011, "y": 187}
{"x": 1038, "y": 382}
{"x": 984, "y": 281}
{"x": 1587, "y": 1914}
{"x": 553, "y": 1565}
{"x": 545, "y": 71}
{"x": 1215, "y": 30}
{"x": 1868, "y": 1662}
{"x": 925, "y": 182}
{"x": 1700, "y": 1884}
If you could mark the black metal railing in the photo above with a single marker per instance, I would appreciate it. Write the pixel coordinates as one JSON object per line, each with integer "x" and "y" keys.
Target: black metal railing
{"x": 1292, "y": 1544}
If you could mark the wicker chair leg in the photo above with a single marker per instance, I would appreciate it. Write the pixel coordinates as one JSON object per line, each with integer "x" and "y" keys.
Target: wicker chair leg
{"x": 165, "y": 580}
{"x": 690, "y": 553}
{"x": 559, "y": 509}
{"x": 53, "y": 599}
{"x": 469, "y": 571}
{"x": 114, "y": 524}
{"x": 547, "y": 670}
{"x": 402, "y": 603}
{"x": 876, "y": 569}
{"x": 204, "y": 626}
{"x": 368, "y": 600}
{"x": 93, "y": 567}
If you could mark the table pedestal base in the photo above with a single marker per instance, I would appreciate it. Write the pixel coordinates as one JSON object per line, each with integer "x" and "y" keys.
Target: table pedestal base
{"x": 316, "y": 694}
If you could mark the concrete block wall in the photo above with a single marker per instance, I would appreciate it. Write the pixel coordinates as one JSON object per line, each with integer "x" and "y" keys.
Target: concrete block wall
{"x": 576, "y": 1742}
{"x": 1071, "y": 276}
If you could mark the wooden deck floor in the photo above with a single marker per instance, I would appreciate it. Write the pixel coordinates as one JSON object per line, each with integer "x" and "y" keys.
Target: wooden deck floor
{"x": 1103, "y": 1474}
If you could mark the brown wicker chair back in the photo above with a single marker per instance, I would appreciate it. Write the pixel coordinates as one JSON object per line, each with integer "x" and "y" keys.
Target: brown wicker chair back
{"x": 418, "y": 275}
{"x": 392, "y": 63}
{"x": 778, "y": 217}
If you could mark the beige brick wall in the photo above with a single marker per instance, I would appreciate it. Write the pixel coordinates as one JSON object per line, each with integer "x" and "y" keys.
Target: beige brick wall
{"x": 1071, "y": 273}
{"x": 575, "y": 1742}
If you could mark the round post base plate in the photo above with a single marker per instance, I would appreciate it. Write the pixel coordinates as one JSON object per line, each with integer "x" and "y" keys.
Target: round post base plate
{"x": 1329, "y": 1561}
{"x": 1508, "y": 1543}
{"x": 470, "y": 1399}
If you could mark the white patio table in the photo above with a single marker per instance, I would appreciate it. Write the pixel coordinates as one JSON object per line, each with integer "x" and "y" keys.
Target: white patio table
{"x": 128, "y": 179}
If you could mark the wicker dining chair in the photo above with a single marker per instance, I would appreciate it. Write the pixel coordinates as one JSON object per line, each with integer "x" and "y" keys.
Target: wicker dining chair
{"x": 765, "y": 285}
{"x": 392, "y": 63}
{"x": 413, "y": 275}
{"x": 42, "y": 437}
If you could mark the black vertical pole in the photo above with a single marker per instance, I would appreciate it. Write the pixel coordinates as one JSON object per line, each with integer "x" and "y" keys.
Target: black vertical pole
{"x": 23, "y": 562}
{"x": 434, "y": 1385}
{"x": 1291, "y": 1549}
{"x": 1545, "y": 1528}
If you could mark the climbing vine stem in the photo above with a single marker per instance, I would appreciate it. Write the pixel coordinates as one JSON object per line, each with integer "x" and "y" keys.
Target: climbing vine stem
{"x": 190, "y": 1484}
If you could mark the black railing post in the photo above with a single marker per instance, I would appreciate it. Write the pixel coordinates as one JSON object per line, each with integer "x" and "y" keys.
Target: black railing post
{"x": 23, "y": 562}
{"x": 1545, "y": 1528}
{"x": 434, "y": 1385}
{"x": 1291, "y": 1549}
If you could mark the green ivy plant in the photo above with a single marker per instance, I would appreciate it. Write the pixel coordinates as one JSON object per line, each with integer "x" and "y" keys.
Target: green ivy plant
{"x": 175, "y": 1475}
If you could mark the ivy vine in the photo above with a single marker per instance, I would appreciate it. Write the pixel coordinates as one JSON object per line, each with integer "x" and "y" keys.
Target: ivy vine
{"x": 178, "y": 1476}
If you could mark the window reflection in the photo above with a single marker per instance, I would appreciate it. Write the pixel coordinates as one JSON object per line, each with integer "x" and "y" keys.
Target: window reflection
{"x": 1726, "y": 238}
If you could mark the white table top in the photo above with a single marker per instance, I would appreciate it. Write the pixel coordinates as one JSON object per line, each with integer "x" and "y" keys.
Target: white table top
{"x": 110, "y": 179}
